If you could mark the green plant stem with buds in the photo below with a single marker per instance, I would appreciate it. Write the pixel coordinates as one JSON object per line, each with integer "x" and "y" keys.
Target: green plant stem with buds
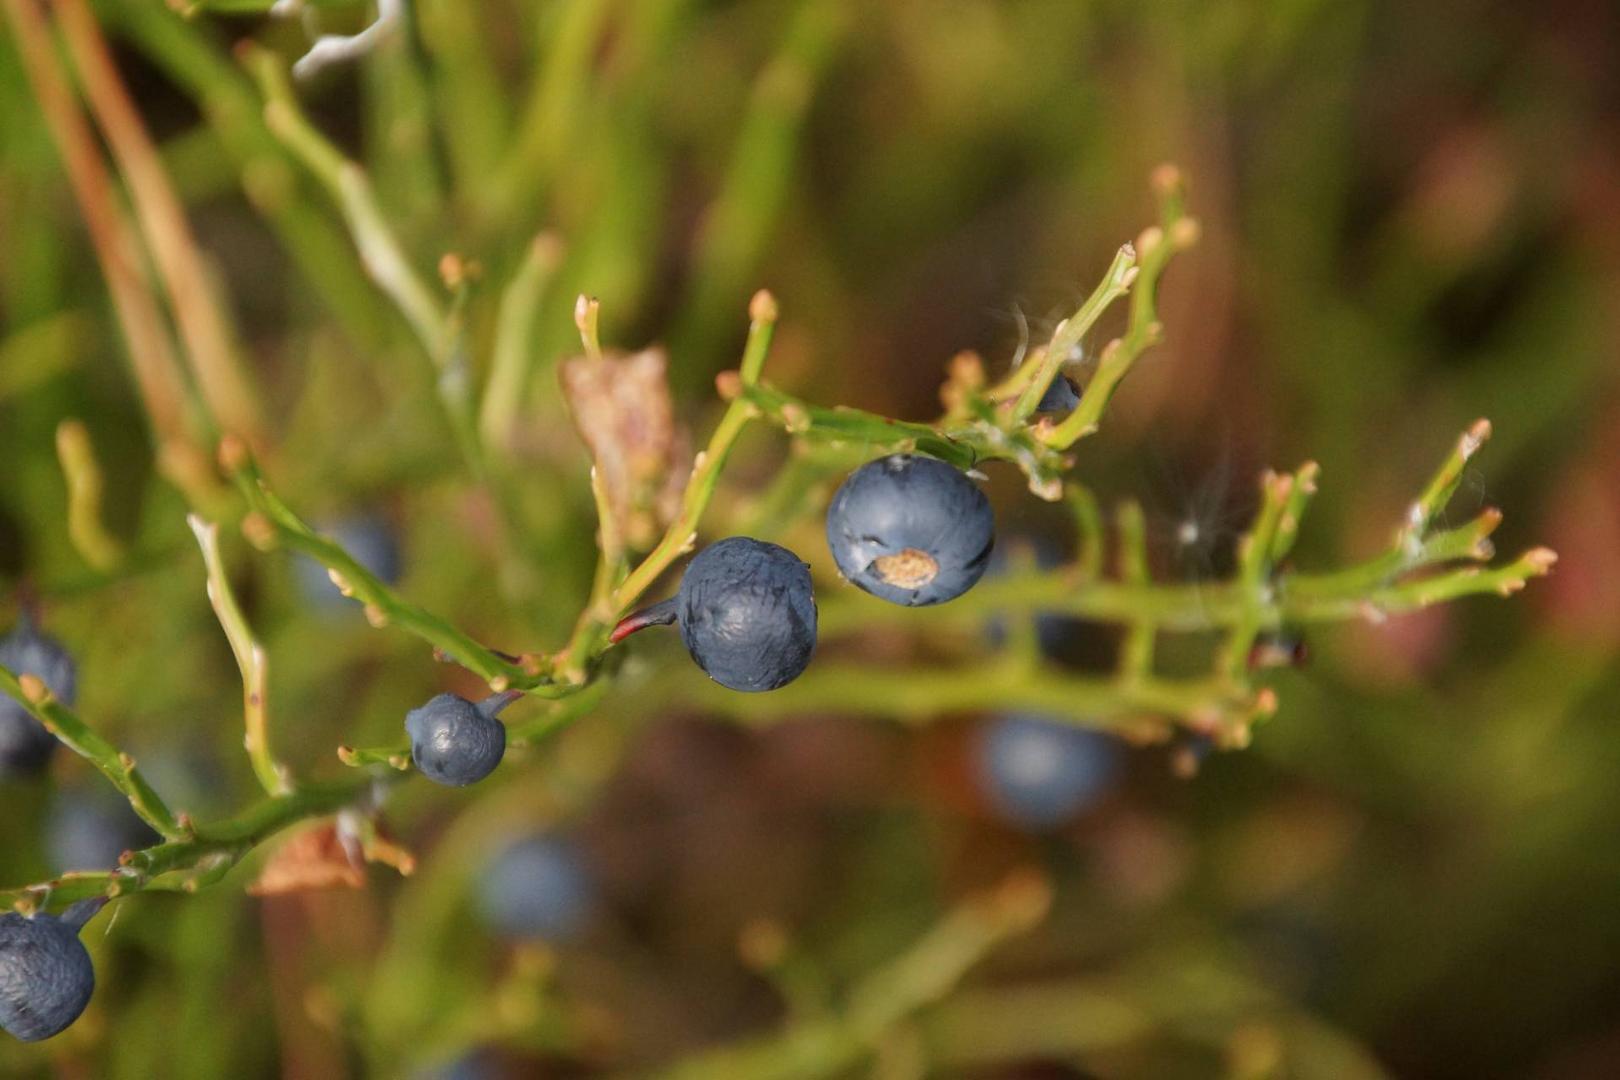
{"x": 271, "y": 523}
{"x": 119, "y": 768}
{"x": 197, "y": 859}
{"x": 250, "y": 659}
{"x": 1072, "y": 331}
{"x": 1418, "y": 569}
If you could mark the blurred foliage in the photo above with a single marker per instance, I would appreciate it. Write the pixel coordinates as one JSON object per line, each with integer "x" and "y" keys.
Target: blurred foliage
{"x": 1411, "y": 218}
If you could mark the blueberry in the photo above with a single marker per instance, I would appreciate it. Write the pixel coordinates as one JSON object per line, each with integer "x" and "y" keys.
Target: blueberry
{"x": 536, "y": 888}
{"x": 474, "y": 1065}
{"x": 369, "y": 539}
{"x": 911, "y": 530}
{"x": 1038, "y": 773}
{"x": 25, "y": 745}
{"x": 46, "y": 978}
{"x": 1060, "y": 396}
{"x": 455, "y": 742}
{"x": 91, "y": 831}
{"x": 747, "y": 614}
{"x": 1057, "y": 634}
{"x": 186, "y": 773}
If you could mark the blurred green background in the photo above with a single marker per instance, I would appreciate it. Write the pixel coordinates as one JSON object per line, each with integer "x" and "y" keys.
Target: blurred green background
{"x": 1411, "y": 218}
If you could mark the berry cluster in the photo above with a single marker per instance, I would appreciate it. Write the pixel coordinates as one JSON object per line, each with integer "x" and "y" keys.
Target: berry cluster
{"x": 910, "y": 530}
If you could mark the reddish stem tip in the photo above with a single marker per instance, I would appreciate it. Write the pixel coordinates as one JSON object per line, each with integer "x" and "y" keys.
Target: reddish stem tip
{"x": 659, "y": 614}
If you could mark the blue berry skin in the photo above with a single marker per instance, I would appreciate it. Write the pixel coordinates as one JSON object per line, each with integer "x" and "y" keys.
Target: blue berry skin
{"x": 1039, "y": 773}
{"x": 455, "y": 742}
{"x": 537, "y": 888}
{"x": 1061, "y": 396}
{"x": 45, "y": 975}
{"x": 471, "y": 1066}
{"x": 1054, "y": 632}
{"x": 369, "y": 539}
{"x": 91, "y": 831}
{"x": 911, "y": 530}
{"x": 747, "y": 614}
{"x": 25, "y": 745}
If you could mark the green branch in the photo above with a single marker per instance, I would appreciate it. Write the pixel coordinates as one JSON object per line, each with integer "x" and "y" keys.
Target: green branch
{"x": 1154, "y": 249}
{"x": 380, "y": 251}
{"x": 706, "y": 467}
{"x": 1072, "y": 331}
{"x": 250, "y": 660}
{"x": 271, "y": 523}
{"x": 119, "y": 768}
{"x": 187, "y": 863}
{"x": 1419, "y": 568}
{"x": 83, "y": 474}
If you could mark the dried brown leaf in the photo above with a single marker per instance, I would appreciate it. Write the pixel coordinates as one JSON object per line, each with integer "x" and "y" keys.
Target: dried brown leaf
{"x": 316, "y": 858}
{"x": 622, "y": 408}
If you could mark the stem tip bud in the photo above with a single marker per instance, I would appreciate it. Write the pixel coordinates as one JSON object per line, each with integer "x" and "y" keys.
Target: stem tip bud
{"x": 762, "y": 308}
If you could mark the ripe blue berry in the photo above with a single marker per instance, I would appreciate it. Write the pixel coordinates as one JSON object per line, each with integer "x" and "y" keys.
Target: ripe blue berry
{"x": 474, "y": 1065}
{"x": 1039, "y": 773}
{"x": 911, "y": 530}
{"x": 1058, "y": 635}
{"x": 46, "y": 978}
{"x": 369, "y": 539}
{"x": 747, "y": 614}
{"x": 455, "y": 742}
{"x": 25, "y": 745}
{"x": 88, "y": 830}
{"x": 1061, "y": 396}
{"x": 536, "y": 888}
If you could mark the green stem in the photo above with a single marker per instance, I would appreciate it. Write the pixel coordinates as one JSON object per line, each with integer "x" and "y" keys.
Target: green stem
{"x": 514, "y": 345}
{"x": 1136, "y": 652}
{"x": 855, "y": 689}
{"x": 1154, "y": 248}
{"x": 1253, "y": 574}
{"x": 1071, "y": 331}
{"x": 923, "y": 975}
{"x": 83, "y": 474}
{"x": 76, "y": 735}
{"x": 706, "y": 467}
{"x": 273, "y": 523}
{"x": 1299, "y": 500}
{"x": 380, "y": 252}
{"x": 1089, "y": 530}
{"x": 250, "y": 660}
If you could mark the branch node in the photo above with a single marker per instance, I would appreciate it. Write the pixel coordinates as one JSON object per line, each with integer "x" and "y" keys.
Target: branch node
{"x": 34, "y": 689}
{"x": 258, "y": 531}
